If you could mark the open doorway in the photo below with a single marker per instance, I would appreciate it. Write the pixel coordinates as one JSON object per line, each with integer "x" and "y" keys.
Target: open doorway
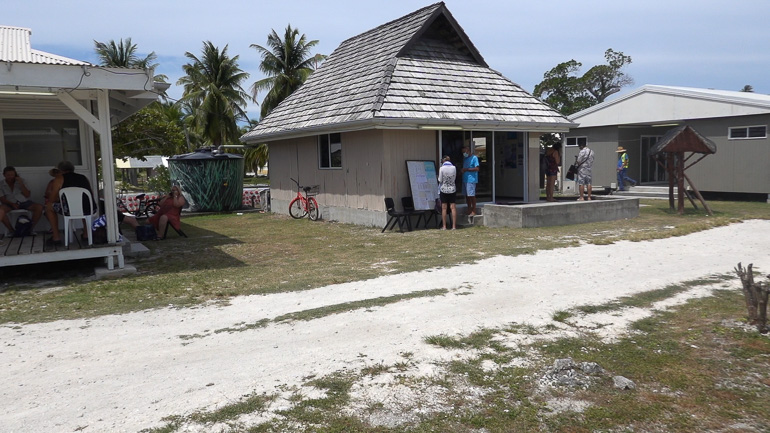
{"x": 501, "y": 156}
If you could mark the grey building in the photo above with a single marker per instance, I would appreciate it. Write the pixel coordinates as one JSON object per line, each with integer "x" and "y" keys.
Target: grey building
{"x": 415, "y": 88}
{"x": 735, "y": 121}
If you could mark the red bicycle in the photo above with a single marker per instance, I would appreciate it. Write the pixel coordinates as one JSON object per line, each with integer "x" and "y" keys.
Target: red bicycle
{"x": 303, "y": 205}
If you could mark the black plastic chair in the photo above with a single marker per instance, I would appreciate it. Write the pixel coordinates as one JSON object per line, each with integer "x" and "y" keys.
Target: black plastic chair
{"x": 408, "y": 204}
{"x": 396, "y": 217}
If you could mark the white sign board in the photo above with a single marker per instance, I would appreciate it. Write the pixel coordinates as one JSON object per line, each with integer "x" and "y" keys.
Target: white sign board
{"x": 424, "y": 182}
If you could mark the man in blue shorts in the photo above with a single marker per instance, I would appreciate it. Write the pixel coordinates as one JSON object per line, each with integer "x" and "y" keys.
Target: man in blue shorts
{"x": 470, "y": 179}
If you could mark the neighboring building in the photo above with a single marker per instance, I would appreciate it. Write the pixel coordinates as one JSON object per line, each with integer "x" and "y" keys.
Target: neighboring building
{"x": 412, "y": 89}
{"x": 134, "y": 170}
{"x": 736, "y": 122}
{"x": 51, "y": 109}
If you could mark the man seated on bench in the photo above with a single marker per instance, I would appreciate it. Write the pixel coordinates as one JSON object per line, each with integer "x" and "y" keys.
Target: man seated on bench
{"x": 15, "y": 195}
{"x": 170, "y": 210}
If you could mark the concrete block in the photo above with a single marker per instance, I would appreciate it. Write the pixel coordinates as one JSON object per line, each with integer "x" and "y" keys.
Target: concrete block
{"x": 135, "y": 249}
{"x": 560, "y": 213}
{"x": 102, "y": 272}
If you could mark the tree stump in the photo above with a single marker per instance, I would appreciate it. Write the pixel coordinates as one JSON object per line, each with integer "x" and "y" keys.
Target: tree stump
{"x": 756, "y": 296}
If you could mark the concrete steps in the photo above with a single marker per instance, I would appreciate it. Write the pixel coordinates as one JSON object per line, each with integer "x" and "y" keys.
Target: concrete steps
{"x": 653, "y": 192}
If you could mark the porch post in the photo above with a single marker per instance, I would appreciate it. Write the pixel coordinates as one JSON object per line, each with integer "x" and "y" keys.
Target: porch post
{"x": 108, "y": 176}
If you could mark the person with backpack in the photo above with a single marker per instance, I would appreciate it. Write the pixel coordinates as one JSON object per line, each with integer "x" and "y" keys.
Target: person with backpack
{"x": 553, "y": 161}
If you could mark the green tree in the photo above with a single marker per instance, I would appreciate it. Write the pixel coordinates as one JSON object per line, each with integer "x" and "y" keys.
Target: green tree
{"x": 569, "y": 93}
{"x": 123, "y": 55}
{"x": 563, "y": 90}
{"x": 256, "y": 157}
{"x": 748, "y": 88}
{"x": 212, "y": 89}
{"x": 287, "y": 63}
{"x": 149, "y": 132}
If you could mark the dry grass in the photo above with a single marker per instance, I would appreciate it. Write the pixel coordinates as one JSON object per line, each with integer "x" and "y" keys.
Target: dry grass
{"x": 232, "y": 255}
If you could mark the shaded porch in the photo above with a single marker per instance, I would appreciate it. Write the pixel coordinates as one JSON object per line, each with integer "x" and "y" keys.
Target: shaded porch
{"x": 33, "y": 249}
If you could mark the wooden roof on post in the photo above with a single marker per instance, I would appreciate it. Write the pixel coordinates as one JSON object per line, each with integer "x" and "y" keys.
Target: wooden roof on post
{"x": 684, "y": 139}
{"x": 419, "y": 70}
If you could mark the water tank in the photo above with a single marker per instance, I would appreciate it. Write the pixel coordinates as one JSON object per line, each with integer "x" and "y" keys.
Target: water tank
{"x": 212, "y": 181}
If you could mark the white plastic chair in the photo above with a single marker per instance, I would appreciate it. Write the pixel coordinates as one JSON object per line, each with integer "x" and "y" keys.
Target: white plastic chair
{"x": 73, "y": 196}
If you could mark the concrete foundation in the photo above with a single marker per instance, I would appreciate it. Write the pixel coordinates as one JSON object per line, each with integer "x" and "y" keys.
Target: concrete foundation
{"x": 494, "y": 215}
{"x": 560, "y": 213}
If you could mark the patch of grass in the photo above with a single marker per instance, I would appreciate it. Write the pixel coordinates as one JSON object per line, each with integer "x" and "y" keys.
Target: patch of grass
{"x": 444, "y": 341}
{"x": 646, "y": 299}
{"x": 329, "y": 310}
{"x": 225, "y": 414}
{"x": 561, "y": 316}
{"x": 695, "y": 368}
{"x": 231, "y": 255}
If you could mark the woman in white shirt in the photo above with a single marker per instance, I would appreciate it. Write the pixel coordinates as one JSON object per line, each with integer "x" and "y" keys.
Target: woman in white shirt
{"x": 447, "y": 176}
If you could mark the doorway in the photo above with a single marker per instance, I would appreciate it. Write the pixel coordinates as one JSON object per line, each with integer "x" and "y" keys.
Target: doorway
{"x": 501, "y": 163}
{"x": 652, "y": 172}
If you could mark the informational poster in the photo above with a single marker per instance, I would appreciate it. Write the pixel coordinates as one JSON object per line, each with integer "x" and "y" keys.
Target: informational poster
{"x": 424, "y": 182}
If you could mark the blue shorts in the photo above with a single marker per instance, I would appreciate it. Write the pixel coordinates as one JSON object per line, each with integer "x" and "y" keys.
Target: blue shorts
{"x": 470, "y": 189}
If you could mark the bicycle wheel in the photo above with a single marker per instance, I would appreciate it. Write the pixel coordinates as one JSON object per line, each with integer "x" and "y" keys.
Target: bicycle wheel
{"x": 312, "y": 209}
{"x": 296, "y": 210}
{"x": 153, "y": 207}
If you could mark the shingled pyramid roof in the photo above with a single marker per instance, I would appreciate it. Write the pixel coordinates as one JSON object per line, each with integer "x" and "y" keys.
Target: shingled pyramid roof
{"x": 684, "y": 139}
{"x": 418, "y": 70}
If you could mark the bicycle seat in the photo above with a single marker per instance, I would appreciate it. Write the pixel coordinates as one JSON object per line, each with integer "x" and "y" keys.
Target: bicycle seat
{"x": 140, "y": 196}
{"x": 307, "y": 188}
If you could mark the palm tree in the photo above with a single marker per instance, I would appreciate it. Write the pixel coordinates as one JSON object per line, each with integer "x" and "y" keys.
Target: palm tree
{"x": 123, "y": 55}
{"x": 287, "y": 64}
{"x": 254, "y": 157}
{"x": 747, "y": 88}
{"x": 212, "y": 89}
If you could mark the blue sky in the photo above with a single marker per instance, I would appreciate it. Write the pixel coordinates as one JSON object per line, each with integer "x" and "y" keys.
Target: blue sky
{"x": 696, "y": 43}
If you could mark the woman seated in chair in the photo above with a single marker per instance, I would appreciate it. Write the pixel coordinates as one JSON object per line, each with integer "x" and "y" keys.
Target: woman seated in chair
{"x": 170, "y": 209}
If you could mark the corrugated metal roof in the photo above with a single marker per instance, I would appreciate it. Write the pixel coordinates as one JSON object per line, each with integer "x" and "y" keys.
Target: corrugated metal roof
{"x": 726, "y": 96}
{"x": 15, "y": 47}
{"x": 420, "y": 67}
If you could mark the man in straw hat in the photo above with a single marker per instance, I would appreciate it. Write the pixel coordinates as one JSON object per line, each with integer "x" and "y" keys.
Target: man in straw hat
{"x": 622, "y": 167}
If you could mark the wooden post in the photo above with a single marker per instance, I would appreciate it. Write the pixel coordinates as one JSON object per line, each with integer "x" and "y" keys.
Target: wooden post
{"x": 756, "y": 296}
{"x": 680, "y": 181}
{"x": 671, "y": 178}
{"x": 697, "y": 194}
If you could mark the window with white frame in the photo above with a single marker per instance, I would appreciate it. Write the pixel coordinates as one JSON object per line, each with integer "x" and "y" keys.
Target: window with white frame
{"x": 330, "y": 151}
{"x": 747, "y": 132}
{"x": 577, "y": 141}
{"x": 41, "y": 142}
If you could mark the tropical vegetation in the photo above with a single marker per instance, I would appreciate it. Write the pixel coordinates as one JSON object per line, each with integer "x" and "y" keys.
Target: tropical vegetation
{"x": 287, "y": 63}
{"x": 213, "y": 92}
{"x": 563, "y": 89}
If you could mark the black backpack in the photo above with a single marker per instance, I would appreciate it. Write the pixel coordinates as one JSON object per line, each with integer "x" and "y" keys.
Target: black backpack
{"x": 23, "y": 227}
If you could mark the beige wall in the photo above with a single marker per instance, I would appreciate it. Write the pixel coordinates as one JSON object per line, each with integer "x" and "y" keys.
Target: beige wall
{"x": 402, "y": 146}
{"x": 373, "y": 167}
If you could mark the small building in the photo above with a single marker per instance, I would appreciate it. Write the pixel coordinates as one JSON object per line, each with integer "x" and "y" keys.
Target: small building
{"x": 415, "y": 88}
{"x": 735, "y": 121}
{"x": 51, "y": 109}
{"x": 134, "y": 171}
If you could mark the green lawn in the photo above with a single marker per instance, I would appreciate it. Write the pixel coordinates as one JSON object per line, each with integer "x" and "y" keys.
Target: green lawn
{"x": 230, "y": 255}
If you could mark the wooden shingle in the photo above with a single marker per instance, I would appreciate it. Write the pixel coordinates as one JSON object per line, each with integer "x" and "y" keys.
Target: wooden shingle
{"x": 417, "y": 68}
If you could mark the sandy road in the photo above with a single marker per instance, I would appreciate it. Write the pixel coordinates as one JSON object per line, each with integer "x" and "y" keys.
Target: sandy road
{"x": 123, "y": 373}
